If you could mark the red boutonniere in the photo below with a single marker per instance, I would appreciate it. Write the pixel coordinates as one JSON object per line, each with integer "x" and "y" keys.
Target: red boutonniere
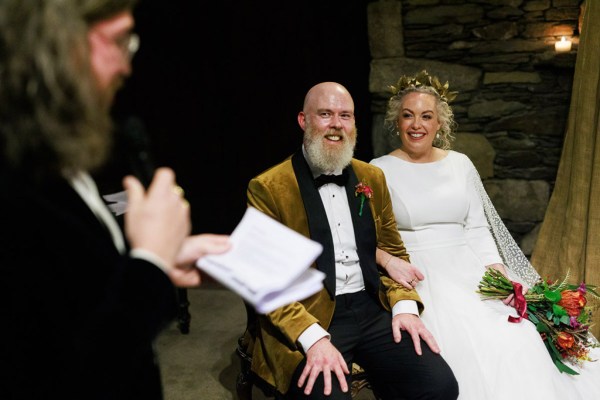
{"x": 365, "y": 192}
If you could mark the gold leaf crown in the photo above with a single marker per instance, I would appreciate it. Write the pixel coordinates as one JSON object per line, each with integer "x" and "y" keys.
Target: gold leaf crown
{"x": 423, "y": 79}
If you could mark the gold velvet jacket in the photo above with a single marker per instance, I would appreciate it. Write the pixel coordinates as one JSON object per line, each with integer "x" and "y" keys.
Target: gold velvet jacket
{"x": 278, "y": 193}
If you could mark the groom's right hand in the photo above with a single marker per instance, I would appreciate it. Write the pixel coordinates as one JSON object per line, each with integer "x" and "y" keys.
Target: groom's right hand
{"x": 323, "y": 357}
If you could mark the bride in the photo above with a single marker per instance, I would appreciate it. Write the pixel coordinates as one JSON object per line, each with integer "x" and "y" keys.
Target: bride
{"x": 453, "y": 233}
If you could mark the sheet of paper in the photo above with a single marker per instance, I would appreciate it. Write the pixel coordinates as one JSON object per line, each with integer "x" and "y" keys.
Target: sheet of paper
{"x": 268, "y": 264}
{"x": 118, "y": 202}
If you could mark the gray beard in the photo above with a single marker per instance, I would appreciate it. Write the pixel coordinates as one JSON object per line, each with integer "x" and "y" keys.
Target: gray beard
{"x": 324, "y": 159}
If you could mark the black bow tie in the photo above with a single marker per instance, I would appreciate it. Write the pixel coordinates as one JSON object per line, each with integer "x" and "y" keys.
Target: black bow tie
{"x": 339, "y": 180}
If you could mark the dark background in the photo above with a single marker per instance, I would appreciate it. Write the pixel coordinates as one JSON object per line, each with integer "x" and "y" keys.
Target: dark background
{"x": 219, "y": 89}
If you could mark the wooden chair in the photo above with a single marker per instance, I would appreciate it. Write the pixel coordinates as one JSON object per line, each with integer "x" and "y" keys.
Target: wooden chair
{"x": 247, "y": 379}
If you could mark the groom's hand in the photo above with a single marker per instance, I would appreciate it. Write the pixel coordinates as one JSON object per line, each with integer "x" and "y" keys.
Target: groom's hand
{"x": 416, "y": 329}
{"x": 323, "y": 357}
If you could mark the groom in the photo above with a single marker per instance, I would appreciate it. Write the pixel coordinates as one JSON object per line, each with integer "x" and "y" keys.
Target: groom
{"x": 305, "y": 349}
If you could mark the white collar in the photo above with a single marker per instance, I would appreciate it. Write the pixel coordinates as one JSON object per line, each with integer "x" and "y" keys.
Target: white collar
{"x": 85, "y": 186}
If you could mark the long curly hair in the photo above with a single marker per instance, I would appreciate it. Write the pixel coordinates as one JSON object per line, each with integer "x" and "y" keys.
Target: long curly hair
{"x": 51, "y": 116}
{"x": 424, "y": 83}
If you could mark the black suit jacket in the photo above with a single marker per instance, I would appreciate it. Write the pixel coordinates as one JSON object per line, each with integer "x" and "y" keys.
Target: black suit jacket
{"x": 78, "y": 318}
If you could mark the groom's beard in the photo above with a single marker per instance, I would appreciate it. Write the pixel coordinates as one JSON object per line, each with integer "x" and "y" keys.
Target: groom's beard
{"x": 329, "y": 158}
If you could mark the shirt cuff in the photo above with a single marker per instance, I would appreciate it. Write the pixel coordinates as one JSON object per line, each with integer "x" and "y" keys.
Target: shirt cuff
{"x": 150, "y": 257}
{"x": 405, "y": 307}
{"x": 311, "y": 335}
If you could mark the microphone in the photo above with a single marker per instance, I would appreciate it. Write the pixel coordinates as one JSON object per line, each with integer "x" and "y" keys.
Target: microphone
{"x": 132, "y": 156}
{"x": 137, "y": 147}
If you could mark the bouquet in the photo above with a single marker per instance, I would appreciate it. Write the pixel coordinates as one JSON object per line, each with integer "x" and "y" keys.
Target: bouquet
{"x": 558, "y": 310}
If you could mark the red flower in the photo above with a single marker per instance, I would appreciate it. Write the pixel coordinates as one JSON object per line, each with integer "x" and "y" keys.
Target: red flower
{"x": 365, "y": 189}
{"x": 565, "y": 340}
{"x": 572, "y": 301}
{"x": 365, "y": 192}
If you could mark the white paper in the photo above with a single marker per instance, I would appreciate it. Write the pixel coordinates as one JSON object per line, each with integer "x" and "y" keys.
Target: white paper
{"x": 268, "y": 264}
{"x": 118, "y": 202}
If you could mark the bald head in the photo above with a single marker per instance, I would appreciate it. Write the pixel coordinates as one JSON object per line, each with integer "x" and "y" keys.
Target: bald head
{"x": 327, "y": 91}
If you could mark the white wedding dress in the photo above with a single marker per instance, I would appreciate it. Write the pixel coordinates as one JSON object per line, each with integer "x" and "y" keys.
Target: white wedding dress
{"x": 440, "y": 213}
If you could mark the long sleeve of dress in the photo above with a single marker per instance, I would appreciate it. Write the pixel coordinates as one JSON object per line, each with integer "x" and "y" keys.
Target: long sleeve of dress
{"x": 477, "y": 229}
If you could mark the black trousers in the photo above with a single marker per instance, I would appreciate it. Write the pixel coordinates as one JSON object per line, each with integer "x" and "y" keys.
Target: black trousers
{"x": 362, "y": 331}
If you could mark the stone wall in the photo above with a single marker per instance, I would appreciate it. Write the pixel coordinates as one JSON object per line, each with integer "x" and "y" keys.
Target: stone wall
{"x": 514, "y": 89}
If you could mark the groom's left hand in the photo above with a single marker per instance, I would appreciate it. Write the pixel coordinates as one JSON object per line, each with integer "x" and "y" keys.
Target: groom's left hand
{"x": 416, "y": 329}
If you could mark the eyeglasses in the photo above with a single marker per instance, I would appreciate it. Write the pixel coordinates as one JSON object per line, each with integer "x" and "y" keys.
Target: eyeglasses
{"x": 128, "y": 44}
{"x": 133, "y": 45}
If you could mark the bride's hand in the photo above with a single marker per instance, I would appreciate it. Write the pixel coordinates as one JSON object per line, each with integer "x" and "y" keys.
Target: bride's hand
{"x": 404, "y": 272}
{"x": 510, "y": 299}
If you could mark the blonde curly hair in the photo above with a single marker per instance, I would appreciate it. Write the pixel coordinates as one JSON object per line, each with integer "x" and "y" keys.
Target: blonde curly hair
{"x": 424, "y": 83}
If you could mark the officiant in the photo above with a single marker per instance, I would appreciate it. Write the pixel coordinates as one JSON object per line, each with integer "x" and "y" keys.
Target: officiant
{"x": 361, "y": 315}
{"x": 81, "y": 301}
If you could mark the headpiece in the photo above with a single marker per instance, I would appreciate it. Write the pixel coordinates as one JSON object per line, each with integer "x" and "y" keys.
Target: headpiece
{"x": 423, "y": 79}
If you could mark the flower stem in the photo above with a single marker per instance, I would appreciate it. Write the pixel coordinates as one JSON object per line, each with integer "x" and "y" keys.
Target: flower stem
{"x": 362, "y": 203}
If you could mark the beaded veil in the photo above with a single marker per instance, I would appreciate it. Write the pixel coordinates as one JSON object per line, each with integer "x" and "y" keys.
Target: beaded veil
{"x": 514, "y": 259}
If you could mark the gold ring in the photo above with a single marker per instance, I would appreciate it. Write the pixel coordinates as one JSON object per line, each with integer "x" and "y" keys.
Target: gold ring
{"x": 178, "y": 190}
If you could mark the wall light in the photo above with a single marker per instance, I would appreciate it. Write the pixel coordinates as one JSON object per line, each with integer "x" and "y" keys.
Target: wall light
{"x": 562, "y": 46}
